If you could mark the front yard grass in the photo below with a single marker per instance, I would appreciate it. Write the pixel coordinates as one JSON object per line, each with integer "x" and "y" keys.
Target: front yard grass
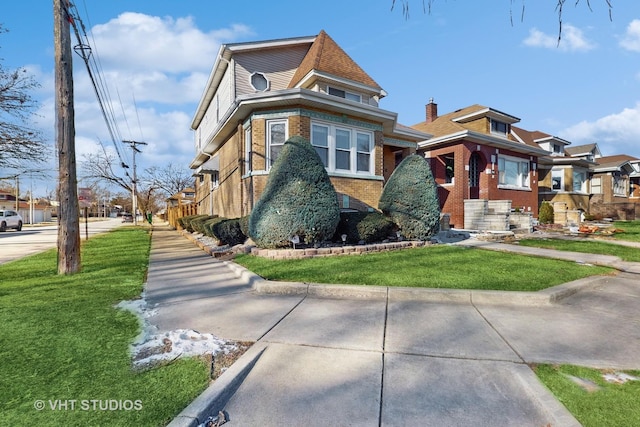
{"x": 437, "y": 266}
{"x": 62, "y": 341}
{"x": 588, "y": 246}
{"x": 606, "y": 405}
{"x": 631, "y": 230}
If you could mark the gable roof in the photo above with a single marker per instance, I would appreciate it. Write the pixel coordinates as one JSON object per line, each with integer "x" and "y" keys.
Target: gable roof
{"x": 583, "y": 150}
{"x": 445, "y": 124}
{"x": 327, "y": 57}
{"x": 533, "y": 138}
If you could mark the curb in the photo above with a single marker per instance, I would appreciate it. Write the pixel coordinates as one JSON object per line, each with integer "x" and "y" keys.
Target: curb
{"x": 216, "y": 396}
{"x": 544, "y": 297}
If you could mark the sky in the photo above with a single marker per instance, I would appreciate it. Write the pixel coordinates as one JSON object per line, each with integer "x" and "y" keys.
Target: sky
{"x": 156, "y": 55}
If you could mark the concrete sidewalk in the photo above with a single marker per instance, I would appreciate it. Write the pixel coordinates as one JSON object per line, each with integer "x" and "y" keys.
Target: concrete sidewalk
{"x": 377, "y": 356}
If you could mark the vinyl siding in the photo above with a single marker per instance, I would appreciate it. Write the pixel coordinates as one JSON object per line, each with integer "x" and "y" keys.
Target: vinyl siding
{"x": 277, "y": 65}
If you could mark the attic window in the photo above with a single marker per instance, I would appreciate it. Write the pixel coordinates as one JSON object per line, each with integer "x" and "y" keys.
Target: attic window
{"x": 259, "y": 82}
{"x": 344, "y": 94}
{"x": 501, "y": 128}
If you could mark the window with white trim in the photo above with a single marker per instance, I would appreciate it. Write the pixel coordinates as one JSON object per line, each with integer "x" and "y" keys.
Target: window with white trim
{"x": 596, "y": 185}
{"x": 513, "y": 172}
{"x": 619, "y": 183}
{"x": 579, "y": 181}
{"x": 259, "y": 82}
{"x": 276, "y": 137}
{"x": 344, "y": 94}
{"x": 557, "y": 179}
{"x": 343, "y": 149}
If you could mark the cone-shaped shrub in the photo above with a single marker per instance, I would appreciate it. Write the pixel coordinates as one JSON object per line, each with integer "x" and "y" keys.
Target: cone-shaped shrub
{"x": 298, "y": 199}
{"x": 410, "y": 199}
{"x": 546, "y": 213}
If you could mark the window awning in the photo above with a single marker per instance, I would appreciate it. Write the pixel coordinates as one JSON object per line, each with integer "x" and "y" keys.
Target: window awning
{"x": 210, "y": 166}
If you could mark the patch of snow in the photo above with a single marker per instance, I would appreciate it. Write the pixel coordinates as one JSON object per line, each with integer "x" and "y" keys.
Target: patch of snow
{"x": 619, "y": 378}
{"x": 151, "y": 348}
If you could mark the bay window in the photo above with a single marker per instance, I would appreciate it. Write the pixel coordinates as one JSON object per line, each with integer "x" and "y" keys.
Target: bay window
{"x": 513, "y": 172}
{"x": 343, "y": 149}
{"x": 579, "y": 182}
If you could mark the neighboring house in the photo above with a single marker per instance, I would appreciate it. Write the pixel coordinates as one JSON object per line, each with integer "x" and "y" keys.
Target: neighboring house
{"x": 614, "y": 185}
{"x": 179, "y": 205}
{"x": 479, "y": 164}
{"x": 259, "y": 94}
{"x": 32, "y": 213}
{"x": 563, "y": 175}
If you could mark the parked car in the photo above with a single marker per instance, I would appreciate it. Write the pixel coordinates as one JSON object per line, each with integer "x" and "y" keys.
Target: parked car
{"x": 10, "y": 219}
{"x": 127, "y": 217}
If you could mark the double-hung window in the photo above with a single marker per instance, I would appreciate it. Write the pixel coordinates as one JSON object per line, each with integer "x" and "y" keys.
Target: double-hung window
{"x": 363, "y": 148}
{"x": 320, "y": 141}
{"x": 276, "y": 137}
{"x": 513, "y": 172}
{"x": 343, "y": 149}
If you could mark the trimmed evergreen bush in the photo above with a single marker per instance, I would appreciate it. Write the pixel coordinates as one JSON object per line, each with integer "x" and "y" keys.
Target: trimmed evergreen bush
{"x": 298, "y": 199}
{"x": 410, "y": 199}
{"x": 244, "y": 225}
{"x": 185, "y": 221}
{"x": 229, "y": 232}
{"x": 545, "y": 213}
{"x": 367, "y": 227}
{"x": 197, "y": 224}
{"x": 209, "y": 225}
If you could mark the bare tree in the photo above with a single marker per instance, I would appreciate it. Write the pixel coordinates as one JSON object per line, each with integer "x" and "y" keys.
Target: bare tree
{"x": 169, "y": 180}
{"x": 19, "y": 142}
{"x": 100, "y": 167}
{"x": 560, "y": 8}
{"x": 154, "y": 185}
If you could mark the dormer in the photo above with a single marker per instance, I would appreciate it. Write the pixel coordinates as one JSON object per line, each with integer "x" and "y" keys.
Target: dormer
{"x": 589, "y": 152}
{"x": 553, "y": 144}
{"x": 488, "y": 120}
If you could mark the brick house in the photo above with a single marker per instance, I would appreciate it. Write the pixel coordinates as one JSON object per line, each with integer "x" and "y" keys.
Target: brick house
{"x": 563, "y": 179}
{"x": 476, "y": 160}
{"x": 259, "y": 94}
{"x": 614, "y": 187}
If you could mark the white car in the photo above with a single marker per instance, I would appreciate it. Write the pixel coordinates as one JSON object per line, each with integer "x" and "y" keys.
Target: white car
{"x": 10, "y": 219}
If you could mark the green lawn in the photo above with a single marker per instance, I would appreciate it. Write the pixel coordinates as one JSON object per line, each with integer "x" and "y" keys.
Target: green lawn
{"x": 631, "y": 230}
{"x": 63, "y": 340}
{"x": 612, "y": 405}
{"x": 437, "y": 266}
{"x": 586, "y": 246}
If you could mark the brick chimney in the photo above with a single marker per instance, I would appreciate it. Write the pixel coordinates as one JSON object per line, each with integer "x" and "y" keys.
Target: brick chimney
{"x": 432, "y": 110}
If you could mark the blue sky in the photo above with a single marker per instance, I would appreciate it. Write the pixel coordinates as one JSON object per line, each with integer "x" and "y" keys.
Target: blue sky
{"x": 160, "y": 52}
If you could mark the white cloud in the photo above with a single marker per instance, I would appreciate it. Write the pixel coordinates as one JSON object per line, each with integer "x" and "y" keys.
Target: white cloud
{"x": 617, "y": 133}
{"x": 573, "y": 40}
{"x": 631, "y": 40}
{"x": 162, "y": 63}
{"x": 138, "y": 42}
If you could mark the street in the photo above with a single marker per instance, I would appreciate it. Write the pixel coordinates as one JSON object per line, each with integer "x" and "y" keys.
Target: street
{"x": 34, "y": 239}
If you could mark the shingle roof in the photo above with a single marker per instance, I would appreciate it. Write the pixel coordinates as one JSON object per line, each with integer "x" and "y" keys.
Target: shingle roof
{"x": 614, "y": 161}
{"x": 326, "y": 56}
{"x": 443, "y": 125}
{"x": 529, "y": 137}
{"x": 580, "y": 149}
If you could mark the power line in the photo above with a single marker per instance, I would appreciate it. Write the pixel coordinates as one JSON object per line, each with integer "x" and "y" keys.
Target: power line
{"x": 84, "y": 50}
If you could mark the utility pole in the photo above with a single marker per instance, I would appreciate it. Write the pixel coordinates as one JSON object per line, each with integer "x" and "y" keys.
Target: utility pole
{"x": 69, "y": 210}
{"x": 134, "y": 205}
